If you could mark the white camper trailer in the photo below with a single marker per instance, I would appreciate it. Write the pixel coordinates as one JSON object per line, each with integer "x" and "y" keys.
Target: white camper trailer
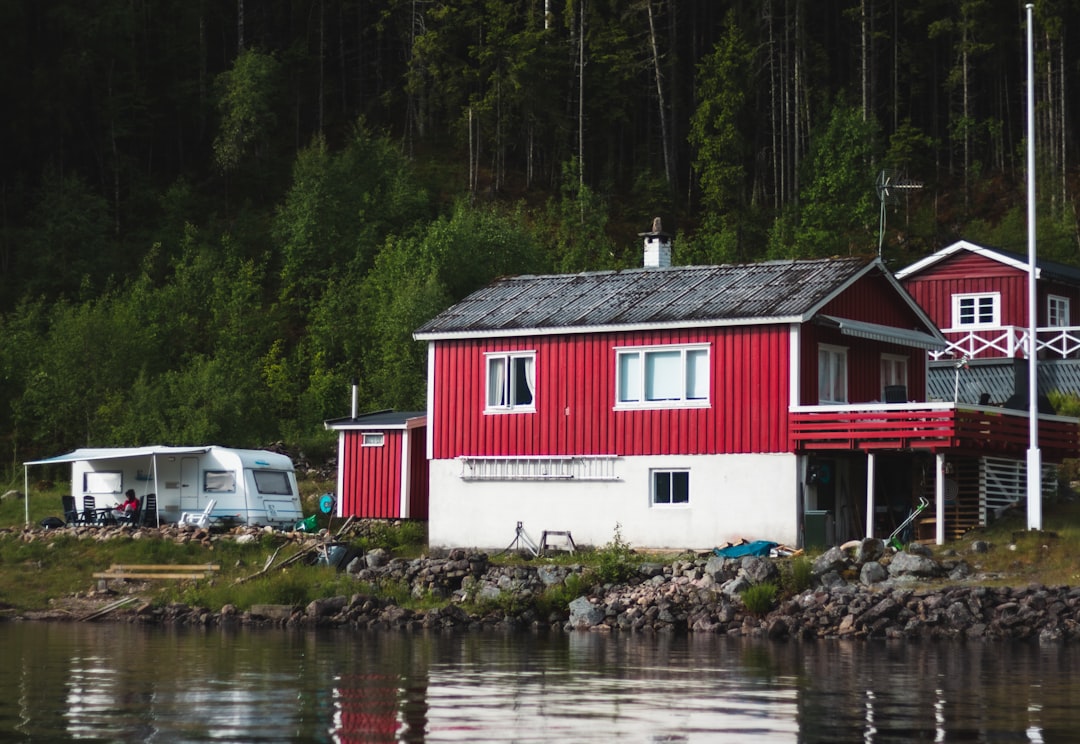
{"x": 245, "y": 486}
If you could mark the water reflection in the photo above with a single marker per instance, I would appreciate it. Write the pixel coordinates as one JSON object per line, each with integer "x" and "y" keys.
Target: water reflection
{"x": 128, "y": 683}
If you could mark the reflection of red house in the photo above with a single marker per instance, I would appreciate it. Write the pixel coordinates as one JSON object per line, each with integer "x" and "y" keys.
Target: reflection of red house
{"x": 382, "y": 468}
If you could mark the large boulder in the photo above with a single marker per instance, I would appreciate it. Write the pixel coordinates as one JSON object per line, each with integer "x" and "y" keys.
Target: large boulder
{"x": 909, "y": 564}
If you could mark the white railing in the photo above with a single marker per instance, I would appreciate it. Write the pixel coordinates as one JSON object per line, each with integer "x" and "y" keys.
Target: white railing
{"x": 1008, "y": 341}
{"x": 543, "y": 467}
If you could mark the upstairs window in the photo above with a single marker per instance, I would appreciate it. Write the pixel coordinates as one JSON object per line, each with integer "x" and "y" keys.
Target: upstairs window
{"x": 662, "y": 376}
{"x": 511, "y": 382}
{"x": 832, "y": 374}
{"x": 1057, "y": 311}
{"x": 977, "y": 310}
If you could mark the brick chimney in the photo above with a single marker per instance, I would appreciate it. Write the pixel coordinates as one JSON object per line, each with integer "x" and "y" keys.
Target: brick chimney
{"x": 657, "y": 246}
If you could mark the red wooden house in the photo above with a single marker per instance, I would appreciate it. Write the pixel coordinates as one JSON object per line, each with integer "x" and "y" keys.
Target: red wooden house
{"x": 686, "y": 406}
{"x": 978, "y": 296}
{"x": 382, "y": 465}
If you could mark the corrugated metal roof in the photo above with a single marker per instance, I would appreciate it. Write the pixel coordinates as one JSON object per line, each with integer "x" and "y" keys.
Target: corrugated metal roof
{"x": 997, "y": 379}
{"x": 678, "y": 295}
{"x": 376, "y": 420}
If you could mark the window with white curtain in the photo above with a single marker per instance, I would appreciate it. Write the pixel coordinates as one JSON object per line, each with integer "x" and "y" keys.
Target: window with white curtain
{"x": 662, "y": 376}
{"x": 1057, "y": 311}
{"x": 511, "y": 382}
{"x": 832, "y": 374}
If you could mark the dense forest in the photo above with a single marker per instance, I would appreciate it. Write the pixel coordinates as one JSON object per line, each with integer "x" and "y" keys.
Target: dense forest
{"x": 213, "y": 215}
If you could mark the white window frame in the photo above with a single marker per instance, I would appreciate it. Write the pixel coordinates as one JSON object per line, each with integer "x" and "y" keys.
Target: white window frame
{"x": 835, "y": 359}
{"x": 502, "y": 388}
{"x": 1057, "y": 311}
{"x": 656, "y": 475}
{"x": 97, "y": 482}
{"x": 975, "y": 306}
{"x": 372, "y": 439}
{"x": 894, "y": 371}
{"x": 635, "y": 376}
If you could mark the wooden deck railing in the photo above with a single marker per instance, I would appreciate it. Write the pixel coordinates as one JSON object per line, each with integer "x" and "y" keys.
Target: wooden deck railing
{"x": 936, "y": 427}
{"x": 1057, "y": 342}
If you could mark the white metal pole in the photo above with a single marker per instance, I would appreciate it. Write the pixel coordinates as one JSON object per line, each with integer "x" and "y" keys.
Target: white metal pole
{"x": 871, "y": 461}
{"x": 1034, "y": 456}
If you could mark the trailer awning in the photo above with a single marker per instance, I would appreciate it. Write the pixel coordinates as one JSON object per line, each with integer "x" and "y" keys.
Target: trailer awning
{"x": 117, "y": 453}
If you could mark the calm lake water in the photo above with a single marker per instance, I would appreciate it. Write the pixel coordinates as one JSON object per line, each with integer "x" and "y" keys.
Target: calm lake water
{"x": 118, "y": 682}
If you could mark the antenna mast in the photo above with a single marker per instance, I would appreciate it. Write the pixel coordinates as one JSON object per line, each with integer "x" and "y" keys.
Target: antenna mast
{"x": 889, "y": 187}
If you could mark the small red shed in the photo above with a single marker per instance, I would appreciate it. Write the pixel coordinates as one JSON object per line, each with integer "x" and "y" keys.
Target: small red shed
{"x": 382, "y": 465}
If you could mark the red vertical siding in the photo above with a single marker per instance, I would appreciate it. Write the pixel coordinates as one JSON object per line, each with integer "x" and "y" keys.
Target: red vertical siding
{"x": 575, "y": 397}
{"x": 967, "y": 273}
{"x": 371, "y": 486}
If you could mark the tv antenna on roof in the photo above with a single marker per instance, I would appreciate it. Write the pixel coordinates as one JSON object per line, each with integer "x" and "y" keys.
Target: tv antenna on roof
{"x": 889, "y": 187}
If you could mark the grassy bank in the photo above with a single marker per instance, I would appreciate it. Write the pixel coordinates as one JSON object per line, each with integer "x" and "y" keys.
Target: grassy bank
{"x": 36, "y": 572}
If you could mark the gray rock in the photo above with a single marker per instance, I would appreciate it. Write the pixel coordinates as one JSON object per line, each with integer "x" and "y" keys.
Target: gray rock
{"x": 832, "y": 559}
{"x": 377, "y": 558}
{"x": 870, "y": 549}
{"x": 326, "y": 606}
{"x": 872, "y": 573}
{"x": 550, "y": 575}
{"x": 584, "y": 614}
{"x": 733, "y": 588}
{"x": 980, "y": 546}
{"x": 758, "y": 569}
{"x": 716, "y": 566}
{"x": 908, "y": 564}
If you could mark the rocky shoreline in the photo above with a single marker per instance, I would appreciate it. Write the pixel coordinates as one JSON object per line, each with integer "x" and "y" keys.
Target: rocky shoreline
{"x": 861, "y": 592}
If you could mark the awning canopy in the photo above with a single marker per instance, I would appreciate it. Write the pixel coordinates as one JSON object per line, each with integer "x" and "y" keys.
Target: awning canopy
{"x": 878, "y": 332}
{"x": 117, "y": 453}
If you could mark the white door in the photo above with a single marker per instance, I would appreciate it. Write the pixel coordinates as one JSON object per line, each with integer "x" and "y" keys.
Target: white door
{"x": 189, "y": 484}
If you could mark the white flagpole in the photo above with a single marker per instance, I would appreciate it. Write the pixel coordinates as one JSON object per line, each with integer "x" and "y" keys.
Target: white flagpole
{"x": 1034, "y": 456}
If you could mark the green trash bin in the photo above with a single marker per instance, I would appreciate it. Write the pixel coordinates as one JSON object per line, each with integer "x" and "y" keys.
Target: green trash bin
{"x": 816, "y": 529}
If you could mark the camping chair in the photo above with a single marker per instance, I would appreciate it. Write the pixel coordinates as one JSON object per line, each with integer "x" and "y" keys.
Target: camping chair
{"x": 148, "y": 511}
{"x": 71, "y": 512}
{"x": 196, "y": 519}
{"x": 89, "y": 511}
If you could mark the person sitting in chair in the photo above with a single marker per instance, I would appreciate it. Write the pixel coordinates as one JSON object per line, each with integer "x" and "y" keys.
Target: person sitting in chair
{"x": 130, "y": 505}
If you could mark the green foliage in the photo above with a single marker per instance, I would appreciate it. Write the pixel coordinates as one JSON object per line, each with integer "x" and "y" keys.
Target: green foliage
{"x": 403, "y": 537}
{"x": 801, "y": 574}
{"x": 759, "y": 598}
{"x": 616, "y": 561}
{"x": 247, "y": 106}
{"x": 556, "y": 598}
{"x": 839, "y": 206}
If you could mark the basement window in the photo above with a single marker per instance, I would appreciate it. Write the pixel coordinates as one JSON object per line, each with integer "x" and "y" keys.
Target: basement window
{"x": 670, "y": 487}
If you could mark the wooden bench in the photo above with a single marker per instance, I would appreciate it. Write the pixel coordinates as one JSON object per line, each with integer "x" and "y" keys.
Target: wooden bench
{"x": 158, "y": 571}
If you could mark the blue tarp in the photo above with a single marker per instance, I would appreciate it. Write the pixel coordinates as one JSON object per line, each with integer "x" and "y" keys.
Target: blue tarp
{"x": 758, "y": 547}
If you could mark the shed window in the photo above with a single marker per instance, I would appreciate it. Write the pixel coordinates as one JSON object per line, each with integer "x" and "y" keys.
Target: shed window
{"x": 373, "y": 439}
